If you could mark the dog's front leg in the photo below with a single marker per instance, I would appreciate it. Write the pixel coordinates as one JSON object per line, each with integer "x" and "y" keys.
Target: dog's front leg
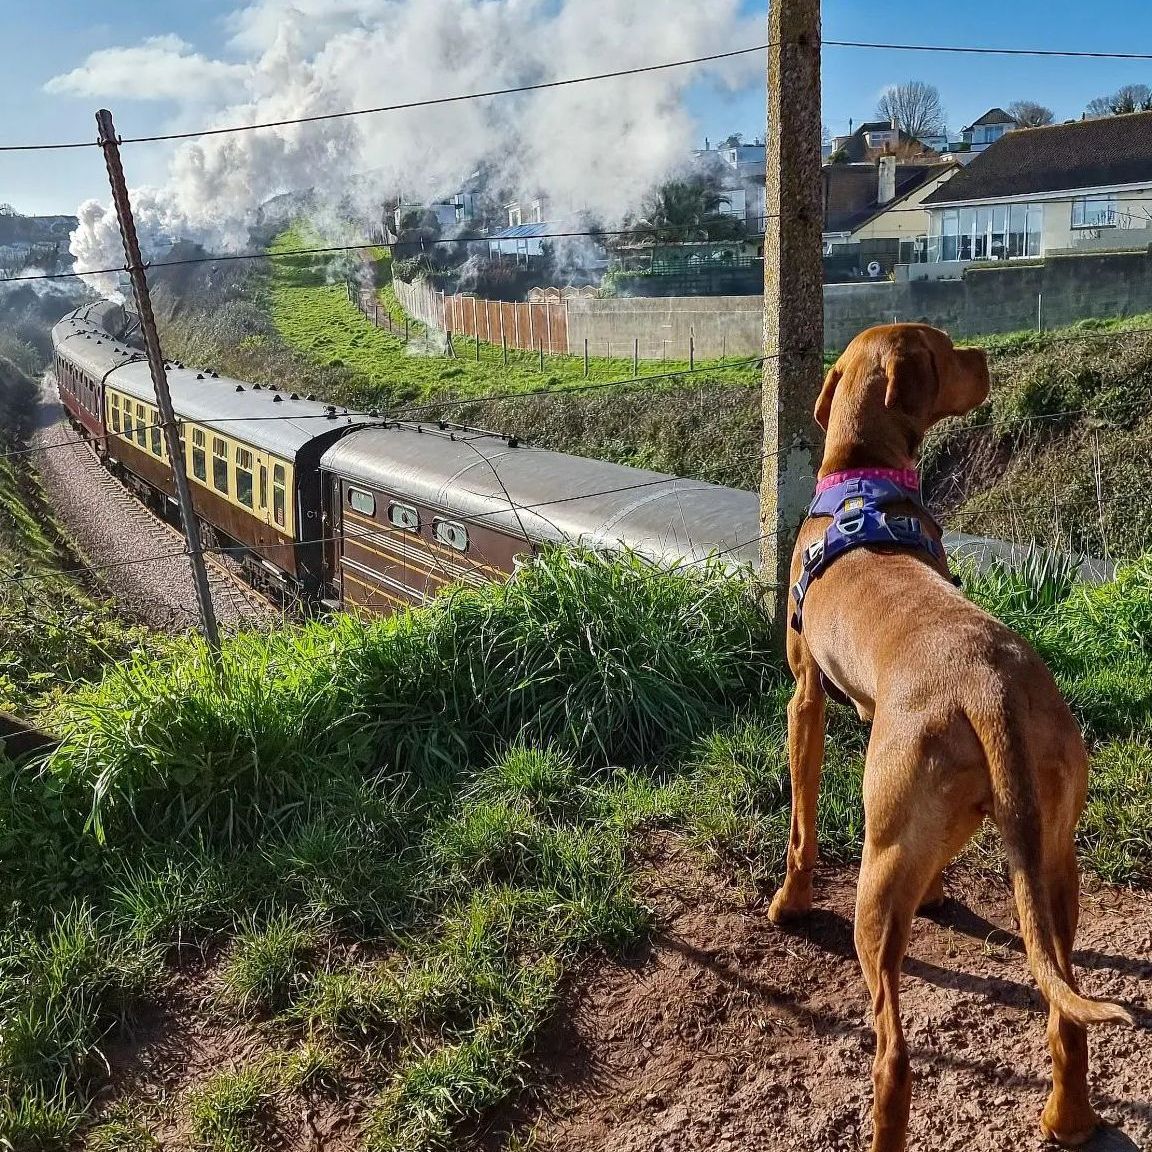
{"x": 805, "y": 760}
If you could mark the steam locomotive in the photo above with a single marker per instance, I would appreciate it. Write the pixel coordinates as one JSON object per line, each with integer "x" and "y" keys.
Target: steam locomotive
{"x": 359, "y": 513}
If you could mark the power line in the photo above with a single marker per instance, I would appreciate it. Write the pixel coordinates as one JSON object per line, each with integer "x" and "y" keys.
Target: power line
{"x": 407, "y": 106}
{"x": 974, "y": 50}
{"x": 472, "y": 238}
{"x": 621, "y": 73}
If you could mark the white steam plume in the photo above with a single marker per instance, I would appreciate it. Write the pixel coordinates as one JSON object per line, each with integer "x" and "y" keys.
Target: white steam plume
{"x": 595, "y": 146}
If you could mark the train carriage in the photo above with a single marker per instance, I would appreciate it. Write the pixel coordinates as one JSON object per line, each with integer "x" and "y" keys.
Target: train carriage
{"x": 415, "y": 508}
{"x": 252, "y": 453}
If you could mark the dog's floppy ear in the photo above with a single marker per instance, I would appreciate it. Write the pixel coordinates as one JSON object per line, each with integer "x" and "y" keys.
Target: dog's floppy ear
{"x": 824, "y": 400}
{"x": 913, "y": 379}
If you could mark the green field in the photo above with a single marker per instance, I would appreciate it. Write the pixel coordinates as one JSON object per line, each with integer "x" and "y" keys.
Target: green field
{"x": 378, "y": 850}
{"x": 316, "y": 318}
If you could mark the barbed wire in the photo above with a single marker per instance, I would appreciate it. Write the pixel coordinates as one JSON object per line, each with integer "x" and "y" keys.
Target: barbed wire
{"x": 624, "y": 383}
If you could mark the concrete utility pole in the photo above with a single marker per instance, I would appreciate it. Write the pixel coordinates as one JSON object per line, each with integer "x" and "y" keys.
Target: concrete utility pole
{"x": 110, "y": 143}
{"x": 793, "y": 286}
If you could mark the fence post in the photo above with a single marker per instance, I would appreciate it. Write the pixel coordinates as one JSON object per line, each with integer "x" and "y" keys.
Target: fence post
{"x": 405, "y": 329}
{"x": 541, "y": 346}
{"x": 691, "y": 352}
{"x": 635, "y": 357}
{"x": 1039, "y": 311}
{"x": 585, "y": 357}
{"x": 451, "y": 347}
{"x": 477, "y": 347}
{"x": 503, "y": 339}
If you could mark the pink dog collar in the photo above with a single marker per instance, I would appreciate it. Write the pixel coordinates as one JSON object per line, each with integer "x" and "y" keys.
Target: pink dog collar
{"x": 906, "y": 477}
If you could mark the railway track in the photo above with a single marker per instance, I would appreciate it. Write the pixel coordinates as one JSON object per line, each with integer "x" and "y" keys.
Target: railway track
{"x": 114, "y": 528}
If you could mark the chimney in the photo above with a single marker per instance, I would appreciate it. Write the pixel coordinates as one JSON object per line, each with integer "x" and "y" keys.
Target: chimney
{"x": 887, "y": 191}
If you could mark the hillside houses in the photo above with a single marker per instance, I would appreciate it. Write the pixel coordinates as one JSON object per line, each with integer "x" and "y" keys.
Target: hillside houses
{"x": 34, "y": 241}
{"x": 1085, "y": 186}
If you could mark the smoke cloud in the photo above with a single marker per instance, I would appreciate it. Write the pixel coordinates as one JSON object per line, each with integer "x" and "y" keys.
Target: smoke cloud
{"x": 595, "y": 147}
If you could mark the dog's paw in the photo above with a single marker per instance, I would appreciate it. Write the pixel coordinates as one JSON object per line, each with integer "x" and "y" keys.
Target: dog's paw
{"x": 789, "y": 905}
{"x": 1076, "y": 1132}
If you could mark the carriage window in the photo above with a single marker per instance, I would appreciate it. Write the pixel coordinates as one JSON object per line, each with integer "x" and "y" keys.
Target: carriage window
{"x": 279, "y": 495}
{"x": 404, "y": 516}
{"x": 263, "y": 486}
{"x": 219, "y": 465}
{"x": 362, "y": 501}
{"x": 157, "y": 440}
{"x": 454, "y": 535}
{"x": 127, "y": 419}
{"x": 244, "y": 476}
{"x": 199, "y": 462}
{"x": 115, "y": 412}
{"x": 141, "y": 427}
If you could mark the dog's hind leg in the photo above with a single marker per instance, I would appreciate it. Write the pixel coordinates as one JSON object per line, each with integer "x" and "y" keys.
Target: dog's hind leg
{"x": 1068, "y": 1116}
{"x": 911, "y": 833}
{"x": 805, "y": 760}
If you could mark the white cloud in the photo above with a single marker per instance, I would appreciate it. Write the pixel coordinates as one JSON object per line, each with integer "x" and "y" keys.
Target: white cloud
{"x": 160, "y": 68}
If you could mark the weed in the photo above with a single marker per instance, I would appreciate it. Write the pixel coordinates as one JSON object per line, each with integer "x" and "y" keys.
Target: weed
{"x": 230, "y": 1109}
{"x": 267, "y": 962}
{"x": 39, "y": 1120}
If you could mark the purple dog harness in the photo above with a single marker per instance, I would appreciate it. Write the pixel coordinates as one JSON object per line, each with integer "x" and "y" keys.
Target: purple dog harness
{"x": 856, "y": 500}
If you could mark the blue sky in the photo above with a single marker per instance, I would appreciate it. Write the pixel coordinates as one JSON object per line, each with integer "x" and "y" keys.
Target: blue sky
{"x": 47, "y": 38}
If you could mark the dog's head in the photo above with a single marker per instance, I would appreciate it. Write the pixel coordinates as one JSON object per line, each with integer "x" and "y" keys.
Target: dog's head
{"x": 910, "y": 371}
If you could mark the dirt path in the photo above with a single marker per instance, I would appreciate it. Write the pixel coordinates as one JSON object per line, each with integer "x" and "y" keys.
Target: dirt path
{"x": 732, "y": 1036}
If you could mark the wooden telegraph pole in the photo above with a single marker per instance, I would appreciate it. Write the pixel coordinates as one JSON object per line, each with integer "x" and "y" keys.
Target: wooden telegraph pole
{"x": 110, "y": 144}
{"x": 793, "y": 287}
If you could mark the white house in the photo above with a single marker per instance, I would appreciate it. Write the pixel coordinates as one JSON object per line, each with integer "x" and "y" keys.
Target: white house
{"x": 1076, "y": 187}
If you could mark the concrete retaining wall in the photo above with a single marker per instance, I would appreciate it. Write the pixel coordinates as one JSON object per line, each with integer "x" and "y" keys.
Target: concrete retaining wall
{"x": 667, "y": 327}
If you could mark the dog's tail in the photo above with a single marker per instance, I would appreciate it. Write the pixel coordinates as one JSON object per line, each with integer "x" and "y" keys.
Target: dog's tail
{"x": 1017, "y": 816}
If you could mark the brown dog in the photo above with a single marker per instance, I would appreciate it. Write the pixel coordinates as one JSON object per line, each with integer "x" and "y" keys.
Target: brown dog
{"x": 967, "y": 722}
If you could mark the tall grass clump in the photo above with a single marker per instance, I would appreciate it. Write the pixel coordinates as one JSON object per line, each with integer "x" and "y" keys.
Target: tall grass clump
{"x": 612, "y": 660}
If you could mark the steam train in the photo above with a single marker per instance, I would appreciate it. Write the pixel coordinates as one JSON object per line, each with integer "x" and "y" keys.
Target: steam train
{"x": 359, "y": 513}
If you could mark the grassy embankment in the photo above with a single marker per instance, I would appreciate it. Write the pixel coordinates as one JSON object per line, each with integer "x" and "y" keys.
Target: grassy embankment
{"x": 55, "y": 627}
{"x": 362, "y": 862}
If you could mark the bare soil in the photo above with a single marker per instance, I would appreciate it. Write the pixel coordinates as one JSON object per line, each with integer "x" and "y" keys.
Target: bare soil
{"x": 731, "y": 1034}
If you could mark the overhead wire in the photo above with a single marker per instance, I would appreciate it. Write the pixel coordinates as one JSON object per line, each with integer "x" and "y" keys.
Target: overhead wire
{"x": 472, "y": 238}
{"x": 1050, "y": 53}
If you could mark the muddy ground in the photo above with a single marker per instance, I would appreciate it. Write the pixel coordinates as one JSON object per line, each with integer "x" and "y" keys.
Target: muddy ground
{"x": 731, "y": 1035}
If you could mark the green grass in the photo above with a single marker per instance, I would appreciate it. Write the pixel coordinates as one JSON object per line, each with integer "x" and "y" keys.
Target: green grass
{"x": 398, "y": 838}
{"x": 316, "y": 318}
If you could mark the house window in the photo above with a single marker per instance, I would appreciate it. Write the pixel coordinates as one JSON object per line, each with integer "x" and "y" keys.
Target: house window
{"x": 279, "y": 495}
{"x": 1094, "y": 212}
{"x": 363, "y": 502}
{"x": 220, "y": 464}
{"x": 995, "y": 232}
{"x": 199, "y": 462}
{"x": 141, "y": 427}
{"x": 244, "y": 476}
